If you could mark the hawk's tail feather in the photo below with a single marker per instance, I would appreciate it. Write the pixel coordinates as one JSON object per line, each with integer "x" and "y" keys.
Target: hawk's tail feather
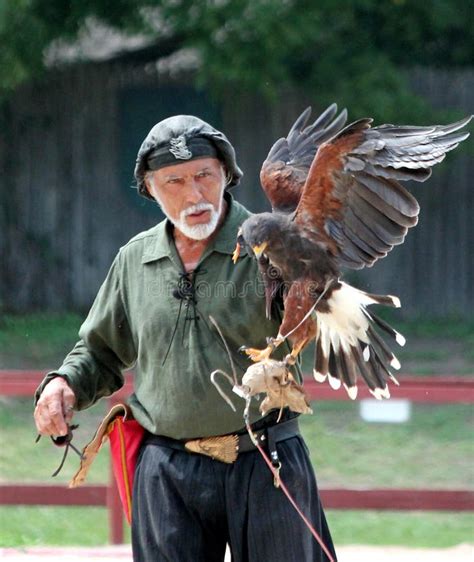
{"x": 348, "y": 343}
{"x": 386, "y": 327}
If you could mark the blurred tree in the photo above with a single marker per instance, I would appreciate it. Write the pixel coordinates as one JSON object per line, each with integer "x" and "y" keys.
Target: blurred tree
{"x": 350, "y": 50}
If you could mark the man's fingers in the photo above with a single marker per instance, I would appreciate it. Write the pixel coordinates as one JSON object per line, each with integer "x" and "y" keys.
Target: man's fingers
{"x": 44, "y": 423}
{"x": 68, "y": 413}
{"x": 49, "y": 416}
{"x": 50, "y": 423}
{"x": 54, "y": 409}
{"x": 69, "y": 400}
{"x": 41, "y": 421}
{"x": 56, "y": 415}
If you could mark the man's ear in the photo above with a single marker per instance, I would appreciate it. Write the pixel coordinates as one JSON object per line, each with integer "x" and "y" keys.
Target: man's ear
{"x": 227, "y": 174}
{"x": 148, "y": 180}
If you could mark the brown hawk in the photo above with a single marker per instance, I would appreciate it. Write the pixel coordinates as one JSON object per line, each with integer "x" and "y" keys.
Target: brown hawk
{"x": 337, "y": 202}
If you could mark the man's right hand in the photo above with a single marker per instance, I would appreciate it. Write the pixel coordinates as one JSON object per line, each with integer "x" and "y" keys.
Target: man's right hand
{"x": 54, "y": 409}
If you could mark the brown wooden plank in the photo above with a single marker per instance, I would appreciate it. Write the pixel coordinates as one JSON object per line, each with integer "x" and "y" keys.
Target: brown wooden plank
{"x": 17, "y": 382}
{"x": 399, "y": 499}
{"x": 333, "y": 498}
{"x": 52, "y": 494}
{"x": 433, "y": 389}
{"x": 436, "y": 389}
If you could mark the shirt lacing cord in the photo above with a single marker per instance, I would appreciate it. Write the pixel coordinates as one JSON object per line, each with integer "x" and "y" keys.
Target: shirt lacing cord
{"x": 185, "y": 292}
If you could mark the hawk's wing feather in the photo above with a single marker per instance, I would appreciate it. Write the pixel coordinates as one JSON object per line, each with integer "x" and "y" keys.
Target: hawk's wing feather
{"x": 286, "y": 167}
{"x": 352, "y": 198}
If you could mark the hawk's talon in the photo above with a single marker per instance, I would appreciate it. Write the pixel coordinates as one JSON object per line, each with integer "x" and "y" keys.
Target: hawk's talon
{"x": 258, "y": 355}
{"x": 290, "y": 359}
{"x": 271, "y": 342}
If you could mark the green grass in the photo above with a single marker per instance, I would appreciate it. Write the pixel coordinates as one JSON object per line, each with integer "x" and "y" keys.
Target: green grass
{"x": 409, "y": 529}
{"x": 450, "y": 328}
{"x": 434, "y": 346}
{"x": 37, "y": 340}
{"x": 425, "y": 355}
{"x": 23, "y": 460}
{"x": 434, "y": 449}
{"x": 32, "y": 526}
{"x": 39, "y": 525}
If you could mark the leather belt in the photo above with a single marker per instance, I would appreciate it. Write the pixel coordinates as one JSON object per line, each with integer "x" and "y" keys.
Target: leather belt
{"x": 226, "y": 448}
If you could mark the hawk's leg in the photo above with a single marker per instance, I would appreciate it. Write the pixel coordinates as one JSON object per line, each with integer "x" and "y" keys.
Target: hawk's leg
{"x": 291, "y": 358}
{"x": 258, "y": 355}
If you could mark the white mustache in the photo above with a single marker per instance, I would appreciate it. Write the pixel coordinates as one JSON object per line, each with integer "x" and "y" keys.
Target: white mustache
{"x": 196, "y": 209}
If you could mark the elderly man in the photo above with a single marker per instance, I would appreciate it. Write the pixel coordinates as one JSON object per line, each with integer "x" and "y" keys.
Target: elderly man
{"x": 153, "y": 312}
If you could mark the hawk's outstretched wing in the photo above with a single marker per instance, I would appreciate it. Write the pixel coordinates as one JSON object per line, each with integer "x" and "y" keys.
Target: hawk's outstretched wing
{"x": 287, "y": 165}
{"x": 352, "y": 198}
{"x": 285, "y": 170}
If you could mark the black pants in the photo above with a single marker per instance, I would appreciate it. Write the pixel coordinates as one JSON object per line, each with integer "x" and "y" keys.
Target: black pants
{"x": 186, "y": 507}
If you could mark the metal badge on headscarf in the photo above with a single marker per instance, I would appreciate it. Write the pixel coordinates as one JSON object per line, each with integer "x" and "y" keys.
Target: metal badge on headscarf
{"x": 179, "y": 149}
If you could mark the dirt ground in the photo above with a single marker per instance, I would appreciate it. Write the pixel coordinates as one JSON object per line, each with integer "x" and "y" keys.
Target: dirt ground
{"x": 357, "y": 553}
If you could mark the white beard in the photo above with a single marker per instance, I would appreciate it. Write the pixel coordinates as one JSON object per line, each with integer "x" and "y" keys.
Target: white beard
{"x": 196, "y": 231}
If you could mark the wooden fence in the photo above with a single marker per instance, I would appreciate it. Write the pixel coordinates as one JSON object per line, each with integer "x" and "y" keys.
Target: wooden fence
{"x": 67, "y": 150}
{"x": 440, "y": 389}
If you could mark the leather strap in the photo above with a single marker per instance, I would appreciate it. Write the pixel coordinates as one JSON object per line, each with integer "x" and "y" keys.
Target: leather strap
{"x": 271, "y": 435}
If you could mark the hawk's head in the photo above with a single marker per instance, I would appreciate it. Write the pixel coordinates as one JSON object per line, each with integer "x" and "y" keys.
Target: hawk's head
{"x": 260, "y": 233}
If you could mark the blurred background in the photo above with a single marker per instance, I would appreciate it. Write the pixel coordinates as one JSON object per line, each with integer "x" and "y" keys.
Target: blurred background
{"x": 82, "y": 82}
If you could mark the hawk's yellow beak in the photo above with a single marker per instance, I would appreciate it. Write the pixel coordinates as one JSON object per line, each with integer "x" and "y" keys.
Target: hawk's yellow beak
{"x": 258, "y": 250}
{"x": 236, "y": 254}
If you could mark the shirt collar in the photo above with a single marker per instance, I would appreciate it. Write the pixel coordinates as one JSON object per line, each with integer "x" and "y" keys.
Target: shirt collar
{"x": 161, "y": 245}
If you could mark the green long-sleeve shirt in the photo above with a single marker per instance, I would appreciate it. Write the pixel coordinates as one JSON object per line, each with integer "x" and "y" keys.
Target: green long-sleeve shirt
{"x": 138, "y": 321}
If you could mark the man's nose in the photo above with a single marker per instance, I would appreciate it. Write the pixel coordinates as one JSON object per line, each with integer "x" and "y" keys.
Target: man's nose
{"x": 194, "y": 192}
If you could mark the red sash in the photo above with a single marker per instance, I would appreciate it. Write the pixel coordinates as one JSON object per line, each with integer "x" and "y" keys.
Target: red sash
{"x": 125, "y": 436}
